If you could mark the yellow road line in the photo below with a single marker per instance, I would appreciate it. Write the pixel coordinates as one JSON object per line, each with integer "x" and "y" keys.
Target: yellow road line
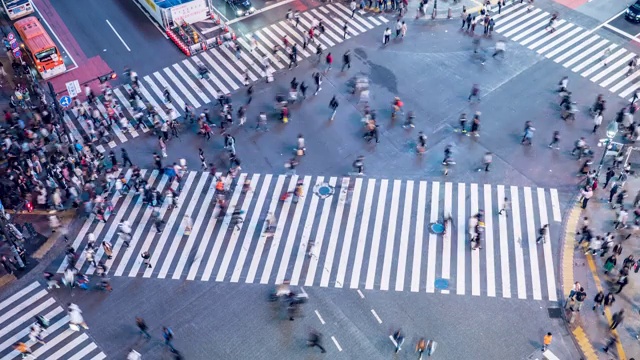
{"x": 585, "y": 344}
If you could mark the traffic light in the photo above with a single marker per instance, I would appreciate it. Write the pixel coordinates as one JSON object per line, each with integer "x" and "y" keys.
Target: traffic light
{"x": 110, "y": 76}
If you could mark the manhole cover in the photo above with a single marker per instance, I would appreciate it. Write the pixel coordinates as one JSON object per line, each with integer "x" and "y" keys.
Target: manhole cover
{"x": 555, "y": 313}
{"x": 437, "y": 228}
{"x": 323, "y": 190}
{"x": 441, "y": 284}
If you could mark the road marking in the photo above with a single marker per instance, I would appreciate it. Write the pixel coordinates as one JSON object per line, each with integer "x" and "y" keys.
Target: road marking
{"x": 404, "y": 236}
{"x": 417, "y": 252}
{"x": 244, "y": 250}
{"x": 377, "y": 230}
{"x": 376, "y": 316}
{"x": 319, "y": 317}
{"x": 333, "y": 238}
{"x": 55, "y": 35}
{"x": 305, "y": 238}
{"x": 118, "y": 35}
{"x": 391, "y": 234}
{"x": 461, "y": 258}
{"x": 433, "y": 240}
{"x": 224, "y": 227}
{"x": 446, "y": 238}
{"x": 360, "y": 293}
{"x": 555, "y": 205}
{"x": 517, "y": 243}
{"x": 348, "y": 234}
{"x": 548, "y": 257}
{"x": 489, "y": 247}
{"x": 266, "y": 8}
{"x": 475, "y": 255}
{"x": 336, "y": 342}
{"x": 151, "y": 19}
{"x": 504, "y": 248}
{"x": 533, "y": 245}
{"x": 316, "y": 250}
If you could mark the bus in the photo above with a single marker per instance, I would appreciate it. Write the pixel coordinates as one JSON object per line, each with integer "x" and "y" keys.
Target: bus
{"x": 16, "y": 9}
{"x": 42, "y": 50}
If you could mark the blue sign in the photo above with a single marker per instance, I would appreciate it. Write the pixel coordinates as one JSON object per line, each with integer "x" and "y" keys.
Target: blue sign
{"x": 17, "y": 54}
{"x": 65, "y": 101}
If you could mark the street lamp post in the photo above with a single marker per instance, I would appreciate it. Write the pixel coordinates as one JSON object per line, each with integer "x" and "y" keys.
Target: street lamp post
{"x": 612, "y": 130}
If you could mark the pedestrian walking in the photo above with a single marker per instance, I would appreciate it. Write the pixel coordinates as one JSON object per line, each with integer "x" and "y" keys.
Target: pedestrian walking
{"x": 612, "y": 340}
{"x": 142, "y": 327}
{"x": 329, "y": 62}
{"x": 528, "y": 133}
{"x": 542, "y": 234}
{"x": 597, "y": 121}
{"x": 317, "y": 78}
{"x": 262, "y": 122}
{"x": 475, "y": 125}
{"x": 345, "y": 30}
{"x": 617, "y": 319}
{"x": 314, "y": 341}
{"x": 24, "y": 350}
{"x": 167, "y": 334}
{"x": 506, "y": 205}
{"x": 500, "y": 48}
{"x": 475, "y": 93}
{"x": 546, "y": 341}
{"x": 108, "y": 249}
{"x": 598, "y": 300}
{"x": 421, "y": 346}
{"x": 608, "y": 176}
{"x": 146, "y": 258}
{"x": 353, "y": 6}
{"x": 586, "y": 194}
{"x": 463, "y": 122}
{"x": 487, "y": 158}
{"x": 333, "y": 105}
{"x": 163, "y": 146}
{"x": 125, "y": 158}
{"x": 579, "y": 297}
{"x": 346, "y": 60}
{"x": 398, "y": 28}
{"x": 398, "y": 337}
{"x": 386, "y": 36}
{"x": 555, "y": 140}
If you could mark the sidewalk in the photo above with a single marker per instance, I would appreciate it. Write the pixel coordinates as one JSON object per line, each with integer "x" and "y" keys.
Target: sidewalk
{"x": 590, "y": 328}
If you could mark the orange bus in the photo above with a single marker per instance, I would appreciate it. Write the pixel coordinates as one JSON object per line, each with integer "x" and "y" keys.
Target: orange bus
{"x": 41, "y": 48}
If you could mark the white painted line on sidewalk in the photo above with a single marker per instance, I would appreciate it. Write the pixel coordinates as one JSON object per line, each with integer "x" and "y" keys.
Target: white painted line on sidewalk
{"x": 118, "y": 35}
{"x": 336, "y": 342}
{"x": 462, "y": 236}
{"x": 433, "y": 240}
{"x": 266, "y": 8}
{"x": 360, "y": 293}
{"x": 475, "y": 255}
{"x": 417, "y": 250}
{"x": 319, "y": 317}
{"x": 376, "y": 316}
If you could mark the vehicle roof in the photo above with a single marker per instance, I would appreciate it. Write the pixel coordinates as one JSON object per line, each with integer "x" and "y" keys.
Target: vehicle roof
{"x": 165, "y": 4}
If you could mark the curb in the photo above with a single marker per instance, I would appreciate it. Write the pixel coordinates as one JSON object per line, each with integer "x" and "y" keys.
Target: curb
{"x": 568, "y": 252}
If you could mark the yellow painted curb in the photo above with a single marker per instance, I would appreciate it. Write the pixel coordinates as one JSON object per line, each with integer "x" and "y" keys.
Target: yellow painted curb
{"x": 596, "y": 278}
{"x": 4, "y": 280}
{"x": 46, "y": 246}
{"x": 568, "y": 250}
{"x": 584, "y": 343}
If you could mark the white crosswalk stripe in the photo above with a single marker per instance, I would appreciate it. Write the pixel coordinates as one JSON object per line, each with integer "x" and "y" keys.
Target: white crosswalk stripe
{"x": 572, "y": 46}
{"x": 226, "y": 71}
{"x": 374, "y": 234}
{"x": 18, "y": 314}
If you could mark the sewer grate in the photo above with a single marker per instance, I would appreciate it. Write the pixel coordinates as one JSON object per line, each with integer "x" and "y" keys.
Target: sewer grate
{"x": 555, "y": 312}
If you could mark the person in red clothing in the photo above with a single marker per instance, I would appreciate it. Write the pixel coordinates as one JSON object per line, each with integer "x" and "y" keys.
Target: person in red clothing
{"x": 329, "y": 60}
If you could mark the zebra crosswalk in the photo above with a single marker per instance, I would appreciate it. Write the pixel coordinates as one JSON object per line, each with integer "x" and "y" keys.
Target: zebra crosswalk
{"x": 344, "y": 232}
{"x": 17, "y": 314}
{"x": 226, "y": 68}
{"x": 580, "y": 50}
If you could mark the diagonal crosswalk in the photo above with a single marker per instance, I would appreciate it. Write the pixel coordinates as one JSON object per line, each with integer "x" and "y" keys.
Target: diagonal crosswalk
{"x": 344, "y": 232}
{"x": 17, "y": 314}
{"x": 226, "y": 71}
{"x": 575, "y": 48}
